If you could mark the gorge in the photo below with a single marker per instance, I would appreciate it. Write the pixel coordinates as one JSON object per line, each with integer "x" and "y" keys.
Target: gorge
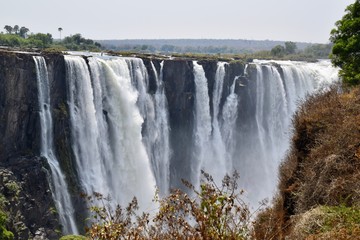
{"x": 124, "y": 126}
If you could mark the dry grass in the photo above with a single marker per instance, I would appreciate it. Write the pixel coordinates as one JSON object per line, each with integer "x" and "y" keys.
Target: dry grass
{"x": 323, "y": 165}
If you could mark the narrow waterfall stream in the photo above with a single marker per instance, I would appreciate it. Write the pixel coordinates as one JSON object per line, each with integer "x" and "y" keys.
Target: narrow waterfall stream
{"x": 59, "y": 186}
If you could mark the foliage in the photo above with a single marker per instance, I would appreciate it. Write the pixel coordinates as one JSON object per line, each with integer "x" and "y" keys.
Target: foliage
{"x": 45, "y": 40}
{"x": 77, "y": 42}
{"x": 290, "y": 47}
{"x": 212, "y": 212}
{"x": 328, "y": 222}
{"x": 18, "y": 37}
{"x": 346, "y": 49}
{"x": 11, "y": 40}
{"x": 39, "y": 40}
{"x": 319, "y": 50}
{"x": 23, "y": 31}
{"x": 322, "y": 166}
{"x": 17, "y": 30}
{"x": 278, "y": 51}
{"x": 9, "y": 29}
{"x": 54, "y": 49}
{"x": 4, "y": 234}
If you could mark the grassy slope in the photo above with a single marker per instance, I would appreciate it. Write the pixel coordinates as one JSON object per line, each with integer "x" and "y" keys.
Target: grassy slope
{"x": 319, "y": 185}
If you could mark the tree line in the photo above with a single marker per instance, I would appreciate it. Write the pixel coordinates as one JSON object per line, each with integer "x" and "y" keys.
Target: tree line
{"x": 19, "y": 37}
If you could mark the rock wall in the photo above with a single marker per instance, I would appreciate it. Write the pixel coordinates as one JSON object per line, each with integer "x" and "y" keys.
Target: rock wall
{"x": 24, "y": 187}
{"x": 20, "y": 160}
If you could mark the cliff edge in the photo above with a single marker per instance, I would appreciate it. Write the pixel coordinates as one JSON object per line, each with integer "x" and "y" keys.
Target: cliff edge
{"x": 319, "y": 181}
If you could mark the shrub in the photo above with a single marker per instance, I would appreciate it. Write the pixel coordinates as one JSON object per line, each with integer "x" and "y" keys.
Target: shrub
{"x": 327, "y": 222}
{"x": 4, "y": 233}
{"x": 322, "y": 166}
{"x": 212, "y": 212}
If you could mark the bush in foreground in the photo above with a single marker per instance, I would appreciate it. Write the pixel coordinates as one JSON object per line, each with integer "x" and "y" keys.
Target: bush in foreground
{"x": 212, "y": 212}
{"x": 322, "y": 169}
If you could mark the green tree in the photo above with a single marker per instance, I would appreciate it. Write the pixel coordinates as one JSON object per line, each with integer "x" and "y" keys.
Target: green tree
{"x": 23, "y": 31}
{"x": 346, "y": 49}
{"x": 9, "y": 29}
{"x": 290, "y": 47}
{"x": 319, "y": 50}
{"x": 10, "y": 40}
{"x": 41, "y": 39}
{"x": 60, "y": 30}
{"x": 211, "y": 212}
{"x": 278, "y": 51}
{"x": 16, "y": 29}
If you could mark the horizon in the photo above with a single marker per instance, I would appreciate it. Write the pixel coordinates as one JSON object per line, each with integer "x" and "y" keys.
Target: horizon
{"x": 221, "y": 39}
{"x": 306, "y": 21}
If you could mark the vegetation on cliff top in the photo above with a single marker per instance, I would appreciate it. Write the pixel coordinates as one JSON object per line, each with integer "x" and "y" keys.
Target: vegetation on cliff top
{"x": 322, "y": 169}
{"x": 16, "y": 37}
{"x": 19, "y": 37}
{"x": 319, "y": 180}
{"x": 287, "y": 52}
{"x": 346, "y": 39}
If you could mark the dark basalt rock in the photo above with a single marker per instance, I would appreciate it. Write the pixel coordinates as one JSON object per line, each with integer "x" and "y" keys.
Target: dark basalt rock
{"x": 28, "y": 198}
{"x": 180, "y": 91}
{"x": 19, "y": 125}
{"x": 20, "y": 132}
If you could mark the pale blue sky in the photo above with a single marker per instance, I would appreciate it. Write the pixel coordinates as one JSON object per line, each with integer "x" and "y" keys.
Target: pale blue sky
{"x": 288, "y": 20}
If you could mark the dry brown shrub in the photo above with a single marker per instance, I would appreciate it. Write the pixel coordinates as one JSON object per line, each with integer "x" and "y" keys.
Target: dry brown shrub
{"x": 323, "y": 164}
{"x": 212, "y": 212}
{"x": 269, "y": 223}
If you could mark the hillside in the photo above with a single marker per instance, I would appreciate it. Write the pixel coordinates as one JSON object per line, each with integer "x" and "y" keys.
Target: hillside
{"x": 319, "y": 180}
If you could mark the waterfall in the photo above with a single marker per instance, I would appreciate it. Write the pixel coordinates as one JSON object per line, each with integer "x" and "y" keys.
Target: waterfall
{"x": 229, "y": 117}
{"x": 58, "y": 184}
{"x": 214, "y": 139}
{"x": 202, "y": 131}
{"x": 121, "y": 128}
{"x": 279, "y": 89}
{"x": 255, "y": 143}
{"x": 106, "y": 124}
{"x": 220, "y": 157}
{"x": 158, "y": 135}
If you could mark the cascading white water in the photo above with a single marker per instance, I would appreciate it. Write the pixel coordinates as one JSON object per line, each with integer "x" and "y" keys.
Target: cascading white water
{"x": 120, "y": 131}
{"x": 202, "y": 131}
{"x": 276, "y": 100}
{"x": 256, "y": 147}
{"x": 214, "y": 139}
{"x": 158, "y": 135}
{"x": 106, "y": 125}
{"x": 58, "y": 185}
{"x": 219, "y": 158}
{"x": 229, "y": 116}
{"x": 85, "y": 130}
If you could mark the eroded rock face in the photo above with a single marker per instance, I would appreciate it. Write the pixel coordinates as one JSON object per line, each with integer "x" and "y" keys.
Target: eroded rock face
{"x": 32, "y": 205}
{"x": 19, "y": 125}
{"x": 23, "y": 175}
{"x": 27, "y": 198}
{"x": 180, "y": 91}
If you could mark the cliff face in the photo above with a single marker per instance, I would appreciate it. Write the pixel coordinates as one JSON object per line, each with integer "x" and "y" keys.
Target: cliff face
{"x": 178, "y": 75}
{"x": 19, "y": 126}
{"x": 319, "y": 180}
{"x": 254, "y": 116}
{"x": 180, "y": 90}
{"x": 23, "y": 174}
{"x": 20, "y": 161}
